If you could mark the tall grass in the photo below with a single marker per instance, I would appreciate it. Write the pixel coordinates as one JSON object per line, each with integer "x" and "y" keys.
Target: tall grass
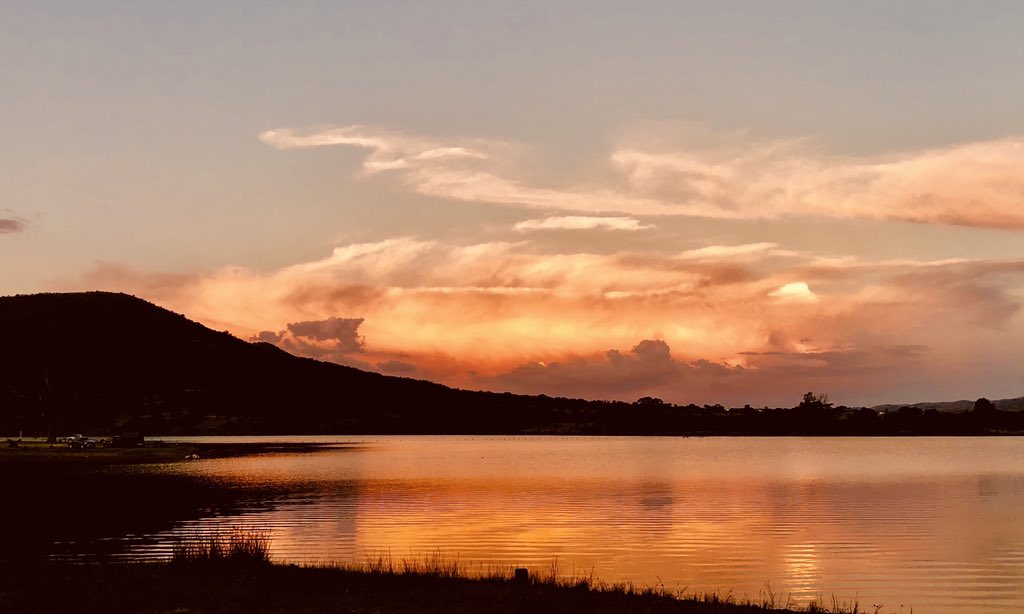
{"x": 247, "y": 546}
{"x": 436, "y": 564}
{"x": 239, "y": 545}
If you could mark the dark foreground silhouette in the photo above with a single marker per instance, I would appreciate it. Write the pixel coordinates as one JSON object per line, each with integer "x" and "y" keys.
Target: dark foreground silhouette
{"x": 240, "y": 586}
{"x": 104, "y": 364}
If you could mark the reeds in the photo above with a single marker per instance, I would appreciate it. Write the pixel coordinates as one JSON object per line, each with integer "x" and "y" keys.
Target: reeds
{"x": 436, "y": 564}
{"x": 239, "y": 545}
{"x": 247, "y": 546}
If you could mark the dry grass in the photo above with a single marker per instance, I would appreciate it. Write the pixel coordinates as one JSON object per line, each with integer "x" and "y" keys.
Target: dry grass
{"x": 230, "y": 571}
{"x": 239, "y": 545}
{"x": 436, "y": 564}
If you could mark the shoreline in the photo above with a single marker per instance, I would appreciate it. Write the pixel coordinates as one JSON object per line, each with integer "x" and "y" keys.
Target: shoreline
{"x": 36, "y": 452}
{"x": 227, "y": 585}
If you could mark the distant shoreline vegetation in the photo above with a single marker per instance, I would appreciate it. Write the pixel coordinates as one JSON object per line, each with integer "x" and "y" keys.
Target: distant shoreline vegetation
{"x": 543, "y": 415}
{"x": 106, "y": 364}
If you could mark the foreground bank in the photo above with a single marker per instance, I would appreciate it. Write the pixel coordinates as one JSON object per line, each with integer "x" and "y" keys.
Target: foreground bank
{"x": 231, "y": 587}
{"x": 23, "y": 453}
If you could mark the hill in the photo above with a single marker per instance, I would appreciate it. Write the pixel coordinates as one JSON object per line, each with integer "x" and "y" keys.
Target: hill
{"x": 112, "y": 362}
{"x": 1015, "y": 404}
{"x": 105, "y": 363}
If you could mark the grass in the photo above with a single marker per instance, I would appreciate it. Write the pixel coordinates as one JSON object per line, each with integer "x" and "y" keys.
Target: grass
{"x": 248, "y": 546}
{"x": 437, "y": 565}
{"x": 233, "y": 571}
{"x": 240, "y": 545}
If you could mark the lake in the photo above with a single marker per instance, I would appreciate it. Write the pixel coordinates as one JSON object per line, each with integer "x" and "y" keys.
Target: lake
{"x": 934, "y": 524}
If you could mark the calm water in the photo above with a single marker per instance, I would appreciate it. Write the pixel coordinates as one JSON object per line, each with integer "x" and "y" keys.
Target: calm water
{"x": 936, "y": 524}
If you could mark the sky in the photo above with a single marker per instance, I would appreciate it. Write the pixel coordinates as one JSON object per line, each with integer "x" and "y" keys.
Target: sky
{"x": 705, "y": 202}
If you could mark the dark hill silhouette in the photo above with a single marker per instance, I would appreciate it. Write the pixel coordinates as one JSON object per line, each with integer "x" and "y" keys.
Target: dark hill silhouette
{"x": 99, "y": 362}
{"x": 1015, "y": 404}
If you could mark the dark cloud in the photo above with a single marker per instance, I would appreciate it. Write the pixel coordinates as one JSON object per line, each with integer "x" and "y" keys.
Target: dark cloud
{"x": 846, "y": 362}
{"x": 344, "y": 331}
{"x": 11, "y": 225}
{"x": 334, "y": 339}
{"x": 328, "y": 351}
{"x": 774, "y": 376}
{"x": 649, "y": 365}
{"x": 268, "y": 336}
{"x": 652, "y": 351}
{"x": 724, "y": 275}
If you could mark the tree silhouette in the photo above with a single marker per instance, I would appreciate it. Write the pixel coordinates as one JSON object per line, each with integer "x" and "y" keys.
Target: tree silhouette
{"x": 45, "y": 397}
{"x": 649, "y": 402}
{"x": 984, "y": 406}
{"x": 815, "y": 401}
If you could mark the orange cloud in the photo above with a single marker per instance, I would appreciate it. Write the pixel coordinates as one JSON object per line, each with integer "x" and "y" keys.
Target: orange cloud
{"x": 743, "y": 322}
{"x": 579, "y": 222}
{"x": 975, "y": 184}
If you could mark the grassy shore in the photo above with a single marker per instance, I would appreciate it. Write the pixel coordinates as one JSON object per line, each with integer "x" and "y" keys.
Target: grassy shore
{"x": 26, "y": 452}
{"x": 244, "y": 586}
{"x": 233, "y": 573}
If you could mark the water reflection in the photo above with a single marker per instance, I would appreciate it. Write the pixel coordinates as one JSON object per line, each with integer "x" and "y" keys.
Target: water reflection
{"x": 931, "y": 523}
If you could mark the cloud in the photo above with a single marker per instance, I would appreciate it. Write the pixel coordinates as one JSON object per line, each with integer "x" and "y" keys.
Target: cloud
{"x": 267, "y": 336}
{"x": 343, "y": 332}
{"x": 11, "y": 225}
{"x": 775, "y": 377}
{"x": 470, "y": 171}
{"x": 973, "y": 184}
{"x": 333, "y": 339}
{"x": 488, "y": 314}
{"x": 793, "y": 291}
{"x": 648, "y": 366}
{"x": 575, "y": 222}
{"x": 390, "y": 151}
{"x": 732, "y": 252}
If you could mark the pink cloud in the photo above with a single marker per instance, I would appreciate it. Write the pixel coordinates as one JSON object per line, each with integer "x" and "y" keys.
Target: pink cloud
{"x": 11, "y": 225}
{"x": 973, "y": 184}
{"x": 578, "y": 222}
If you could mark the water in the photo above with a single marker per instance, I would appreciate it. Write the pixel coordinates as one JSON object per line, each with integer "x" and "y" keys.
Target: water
{"x": 933, "y": 524}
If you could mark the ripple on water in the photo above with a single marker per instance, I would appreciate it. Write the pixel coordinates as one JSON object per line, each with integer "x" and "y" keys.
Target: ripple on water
{"x": 930, "y": 523}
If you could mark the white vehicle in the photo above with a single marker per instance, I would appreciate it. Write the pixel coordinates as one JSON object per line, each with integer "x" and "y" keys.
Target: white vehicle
{"x": 79, "y": 442}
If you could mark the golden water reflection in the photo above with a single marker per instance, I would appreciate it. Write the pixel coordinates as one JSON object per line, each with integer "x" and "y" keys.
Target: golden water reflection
{"x": 929, "y": 523}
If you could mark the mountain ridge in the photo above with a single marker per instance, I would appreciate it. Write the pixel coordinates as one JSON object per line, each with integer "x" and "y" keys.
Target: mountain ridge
{"x": 1012, "y": 404}
{"x": 110, "y": 362}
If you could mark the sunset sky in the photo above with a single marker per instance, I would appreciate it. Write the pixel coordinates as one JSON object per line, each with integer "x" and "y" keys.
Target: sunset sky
{"x": 707, "y": 202}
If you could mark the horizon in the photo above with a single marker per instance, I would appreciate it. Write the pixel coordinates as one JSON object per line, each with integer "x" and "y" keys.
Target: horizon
{"x": 819, "y": 399}
{"x": 701, "y": 203}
